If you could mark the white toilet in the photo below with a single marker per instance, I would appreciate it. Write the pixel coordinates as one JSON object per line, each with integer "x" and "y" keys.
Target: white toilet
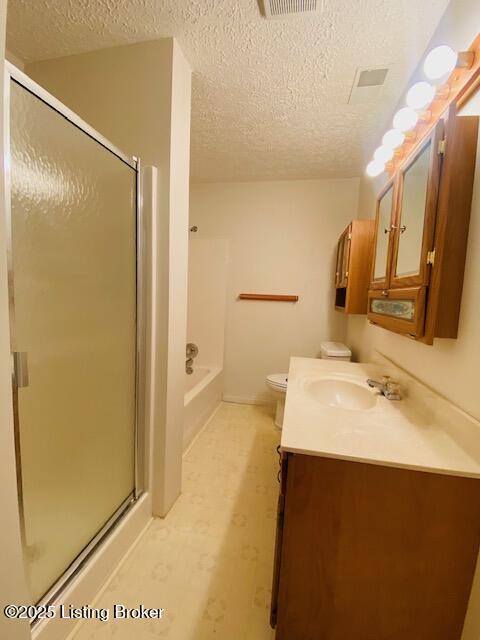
{"x": 277, "y": 382}
{"x": 335, "y": 351}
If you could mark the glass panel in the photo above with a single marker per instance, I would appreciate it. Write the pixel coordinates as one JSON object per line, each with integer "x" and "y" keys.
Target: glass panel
{"x": 74, "y": 267}
{"x": 404, "y": 309}
{"x": 414, "y": 197}
{"x": 384, "y": 221}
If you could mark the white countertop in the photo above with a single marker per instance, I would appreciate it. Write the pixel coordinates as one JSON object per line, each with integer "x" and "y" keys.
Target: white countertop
{"x": 422, "y": 432}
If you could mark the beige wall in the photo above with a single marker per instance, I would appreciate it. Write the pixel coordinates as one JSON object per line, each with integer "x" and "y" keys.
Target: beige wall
{"x": 449, "y": 366}
{"x": 282, "y": 238}
{"x": 138, "y": 96}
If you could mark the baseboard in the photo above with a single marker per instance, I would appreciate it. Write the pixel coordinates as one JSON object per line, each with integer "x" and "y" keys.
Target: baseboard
{"x": 259, "y": 398}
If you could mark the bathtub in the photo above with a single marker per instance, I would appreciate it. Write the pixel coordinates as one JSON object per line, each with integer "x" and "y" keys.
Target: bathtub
{"x": 203, "y": 394}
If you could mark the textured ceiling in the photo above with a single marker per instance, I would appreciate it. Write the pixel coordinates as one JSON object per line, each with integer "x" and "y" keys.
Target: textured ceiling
{"x": 270, "y": 97}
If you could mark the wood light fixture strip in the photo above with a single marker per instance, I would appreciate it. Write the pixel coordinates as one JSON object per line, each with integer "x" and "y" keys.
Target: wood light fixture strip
{"x": 263, "y": 296}
{"x": 458, "y": 88}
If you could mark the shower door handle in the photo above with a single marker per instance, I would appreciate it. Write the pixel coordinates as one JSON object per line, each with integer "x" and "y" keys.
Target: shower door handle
{"x": 20, "y": 368}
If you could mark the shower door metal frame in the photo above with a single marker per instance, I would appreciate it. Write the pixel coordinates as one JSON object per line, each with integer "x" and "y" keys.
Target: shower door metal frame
{"x": 15, "y": 75}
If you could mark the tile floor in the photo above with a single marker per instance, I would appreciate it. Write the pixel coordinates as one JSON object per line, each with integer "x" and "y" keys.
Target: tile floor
{"x": 209, "y": 562}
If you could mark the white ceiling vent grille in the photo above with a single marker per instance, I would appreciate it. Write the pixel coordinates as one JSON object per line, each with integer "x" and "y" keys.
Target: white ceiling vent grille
{"x": 368, "y": 84}
{"x": 282, "y": 8}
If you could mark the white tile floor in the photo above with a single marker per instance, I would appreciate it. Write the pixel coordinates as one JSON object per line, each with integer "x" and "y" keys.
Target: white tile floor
{"x": 209, "y": 562}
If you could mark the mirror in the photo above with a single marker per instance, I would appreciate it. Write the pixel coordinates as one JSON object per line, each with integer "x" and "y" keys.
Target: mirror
{"x": 414, "y": 198}
{"x": 383, "y": 232}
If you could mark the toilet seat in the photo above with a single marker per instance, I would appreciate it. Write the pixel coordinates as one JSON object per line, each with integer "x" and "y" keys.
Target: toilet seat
{"x": 278, "y": 380}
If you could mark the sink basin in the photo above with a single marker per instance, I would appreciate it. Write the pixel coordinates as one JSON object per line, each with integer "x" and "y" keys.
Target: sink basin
{"x": 340, "y": 393}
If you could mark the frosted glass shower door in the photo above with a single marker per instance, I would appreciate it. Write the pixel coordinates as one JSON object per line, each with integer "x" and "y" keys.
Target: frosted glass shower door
{"x": 73, "y": 262}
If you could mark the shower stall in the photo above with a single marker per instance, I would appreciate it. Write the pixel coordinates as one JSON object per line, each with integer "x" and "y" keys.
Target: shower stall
{"x": 75, "y": 288}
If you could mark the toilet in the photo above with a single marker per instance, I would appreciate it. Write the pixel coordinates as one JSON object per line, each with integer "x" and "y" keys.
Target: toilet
{"x": 277, "y": 382}
{"x": 335, "y": 351}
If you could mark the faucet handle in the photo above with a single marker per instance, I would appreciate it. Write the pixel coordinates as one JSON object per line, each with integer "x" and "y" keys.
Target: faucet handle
{"x": 192, "y": 350}
{"x": 392, "y": 389}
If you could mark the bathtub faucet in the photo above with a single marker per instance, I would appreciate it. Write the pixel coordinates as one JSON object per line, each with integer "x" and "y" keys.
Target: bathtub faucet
{"x": 191, "y": 353}
{"x": 192, "y": 350}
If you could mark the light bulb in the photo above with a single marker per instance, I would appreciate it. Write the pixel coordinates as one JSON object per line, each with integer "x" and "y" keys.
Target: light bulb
{"x": 405, "y": 119}
{"x": 383, "y": 154}
{"x": 420, "y": 95}
{"x": 393, "y": 138}
{"x": 439, "y": 62}
{"x": 375, "y": 168}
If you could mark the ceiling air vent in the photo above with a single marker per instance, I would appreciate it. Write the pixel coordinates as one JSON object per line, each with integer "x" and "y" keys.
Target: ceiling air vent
{"x": 368, "y": 84}
{"x": 281, "y": 8}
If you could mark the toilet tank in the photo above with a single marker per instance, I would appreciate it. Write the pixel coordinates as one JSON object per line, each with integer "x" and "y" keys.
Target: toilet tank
{"x": 334, "y": 351}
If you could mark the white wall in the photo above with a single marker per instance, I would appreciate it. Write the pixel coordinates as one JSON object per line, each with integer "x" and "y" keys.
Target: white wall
{"x": 138, "y": 96}
{"x": 282, "y": 239}
{"x": 207, "y": 288}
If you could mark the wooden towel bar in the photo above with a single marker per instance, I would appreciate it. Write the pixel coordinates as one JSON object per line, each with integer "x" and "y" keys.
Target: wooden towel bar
{"x": 263, "y": 296}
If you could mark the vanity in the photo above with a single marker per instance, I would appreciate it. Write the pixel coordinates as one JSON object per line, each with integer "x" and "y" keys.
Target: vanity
{"x": 378, "y": 523}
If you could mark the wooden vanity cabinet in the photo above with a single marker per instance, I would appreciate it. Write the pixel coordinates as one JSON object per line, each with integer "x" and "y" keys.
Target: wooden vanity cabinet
{"x": 371, "y": 552}
{"x": 354, "y": 257}
{"x": 421, "y": 231}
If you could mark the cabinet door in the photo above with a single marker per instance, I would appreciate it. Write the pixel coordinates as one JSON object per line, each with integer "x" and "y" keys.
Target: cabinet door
{"x": 414, "y": 228}
{"x": 338, "y": 269}
{"x": 347, "y": 236}
{"x": 399, "y": 310}
{"x": 343, "y": 257}
{"x": 383, "y": 230}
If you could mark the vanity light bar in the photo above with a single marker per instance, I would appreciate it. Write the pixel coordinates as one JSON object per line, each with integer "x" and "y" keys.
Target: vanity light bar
{"x": 439, "y": 66}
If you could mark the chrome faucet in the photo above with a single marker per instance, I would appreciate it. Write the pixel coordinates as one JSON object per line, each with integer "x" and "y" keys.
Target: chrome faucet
{"x": 387, "y": 387}
{"x": 191, "y": 353}
{"x": 192, "y": 350}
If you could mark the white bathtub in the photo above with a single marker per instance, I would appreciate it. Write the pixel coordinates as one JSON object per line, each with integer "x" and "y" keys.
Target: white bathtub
{"x": 203, "y": 394}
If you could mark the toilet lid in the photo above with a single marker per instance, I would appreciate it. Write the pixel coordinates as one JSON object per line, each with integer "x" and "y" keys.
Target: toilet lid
{"x": 278, "y": 380}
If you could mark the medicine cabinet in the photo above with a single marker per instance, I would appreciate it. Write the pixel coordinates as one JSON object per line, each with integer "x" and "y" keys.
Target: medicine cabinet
{"x": 421, "y": 229}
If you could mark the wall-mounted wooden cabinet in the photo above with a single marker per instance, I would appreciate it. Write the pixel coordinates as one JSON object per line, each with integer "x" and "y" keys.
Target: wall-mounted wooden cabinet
{"x": 421, "y": 234}
{"x": 354, "y": 259}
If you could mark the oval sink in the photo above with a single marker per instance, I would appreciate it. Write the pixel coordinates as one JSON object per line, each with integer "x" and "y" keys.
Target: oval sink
{"x": 342, "y": 394}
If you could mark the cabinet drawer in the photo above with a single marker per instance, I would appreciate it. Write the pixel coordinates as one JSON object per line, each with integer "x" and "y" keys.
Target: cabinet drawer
{"x": 399, "y": 310}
